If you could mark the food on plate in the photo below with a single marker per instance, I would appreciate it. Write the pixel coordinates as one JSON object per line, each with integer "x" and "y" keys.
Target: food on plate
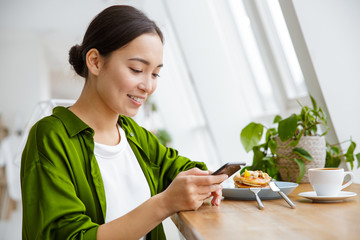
{"x": 251, "y": 179}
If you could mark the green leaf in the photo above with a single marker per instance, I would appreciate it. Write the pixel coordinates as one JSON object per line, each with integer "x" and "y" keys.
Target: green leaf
{"x": 351, "y": 148}
{"x": 251, "y": 135}
{"x": 277, "y": 119}
{"x": 153, "y": 107}
{"x": 268, "y": 159}
{"x": 271, "y": 161}
{"x": 313, "y": 102}
{"x": 324, "y": 119}
{"x": 295, "y": 142}
{"x": 303, "y": 153}
{"x": 287, "y": 127}
{"x": 332, "y": 161}
{"x": 302, "y": 169}
{"x": 358, "y": 159}
{"x": 273, "y": 131}
{"x": 305, "y": 113}
{"x": 258, "y": 155}
{"x": 267, "y": 135}
{"x": 163, "y": 136}
{"x": 336, "y": 162}
{"x": 349, "y": 155}
{"x": 350, "y": 159}
{"x": 273, "y": 146}
{"x": 334, "y": 150}
{"x": 270, "y": 133}
{"x": 328, "y": 162}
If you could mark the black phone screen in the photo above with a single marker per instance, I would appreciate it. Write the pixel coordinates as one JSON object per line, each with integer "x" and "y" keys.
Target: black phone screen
{"x": 229, "y": 168}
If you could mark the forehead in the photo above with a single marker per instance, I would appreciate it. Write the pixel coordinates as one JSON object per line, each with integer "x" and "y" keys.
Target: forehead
{"x": 147, "y": 46}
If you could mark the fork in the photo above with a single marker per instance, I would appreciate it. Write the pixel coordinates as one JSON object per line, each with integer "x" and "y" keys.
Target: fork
{"x": 256, "y": 191}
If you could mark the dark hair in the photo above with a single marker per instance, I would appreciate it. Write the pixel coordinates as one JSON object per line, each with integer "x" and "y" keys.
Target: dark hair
{"x": 110, "y": 30}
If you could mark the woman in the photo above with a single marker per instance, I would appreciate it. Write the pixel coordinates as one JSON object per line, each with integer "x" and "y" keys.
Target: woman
{"x": 89, "y": 171}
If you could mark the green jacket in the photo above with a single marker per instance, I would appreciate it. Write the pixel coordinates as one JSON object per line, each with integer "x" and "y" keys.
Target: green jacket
{"x": 62, "y": 190}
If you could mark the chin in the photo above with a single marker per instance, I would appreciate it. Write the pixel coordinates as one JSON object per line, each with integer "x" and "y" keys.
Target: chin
{"x": 129, "y": 113}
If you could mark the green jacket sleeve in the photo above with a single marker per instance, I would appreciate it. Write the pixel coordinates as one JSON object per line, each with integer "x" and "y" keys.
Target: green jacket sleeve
{"x": 51, "y": 208}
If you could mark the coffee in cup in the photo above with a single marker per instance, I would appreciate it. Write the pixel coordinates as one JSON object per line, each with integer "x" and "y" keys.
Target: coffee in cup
{"x": 329, "y": 181}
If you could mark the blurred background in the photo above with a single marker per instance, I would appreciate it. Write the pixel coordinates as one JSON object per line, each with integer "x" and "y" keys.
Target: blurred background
{"x": 226, "y": 63}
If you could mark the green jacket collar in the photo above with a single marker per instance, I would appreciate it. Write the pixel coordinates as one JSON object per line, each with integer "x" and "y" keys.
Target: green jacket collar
{"x": 72, "y": 123}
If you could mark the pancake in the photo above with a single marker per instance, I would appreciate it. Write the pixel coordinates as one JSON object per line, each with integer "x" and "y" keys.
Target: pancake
{"x": 251, "y": 179}
{"x": 241, "y": 185}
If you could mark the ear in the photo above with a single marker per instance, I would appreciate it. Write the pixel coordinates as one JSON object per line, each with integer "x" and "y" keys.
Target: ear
{"x": 93, "y": 61}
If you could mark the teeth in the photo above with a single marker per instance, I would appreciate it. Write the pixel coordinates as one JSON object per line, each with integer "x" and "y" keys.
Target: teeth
{"x": 139, "y": 100}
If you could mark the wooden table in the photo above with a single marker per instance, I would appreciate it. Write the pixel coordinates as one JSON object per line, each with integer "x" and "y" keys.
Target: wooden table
{"x": 243, "y": 220}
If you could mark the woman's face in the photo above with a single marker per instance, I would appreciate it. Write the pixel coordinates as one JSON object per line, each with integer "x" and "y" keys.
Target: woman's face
{"x": 129, "y": 75}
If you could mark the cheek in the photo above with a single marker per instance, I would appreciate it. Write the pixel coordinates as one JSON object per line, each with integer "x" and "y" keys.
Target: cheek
{"x": 154, "y": 86}
{"x": 121, "y": 80}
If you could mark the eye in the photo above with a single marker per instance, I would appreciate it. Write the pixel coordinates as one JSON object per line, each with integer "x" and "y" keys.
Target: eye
{"x": 135, "y": 70}
{"x": 155, "y": 75}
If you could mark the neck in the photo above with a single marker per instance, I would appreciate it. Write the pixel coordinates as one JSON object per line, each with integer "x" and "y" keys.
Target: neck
{"x": 94, "y": 112}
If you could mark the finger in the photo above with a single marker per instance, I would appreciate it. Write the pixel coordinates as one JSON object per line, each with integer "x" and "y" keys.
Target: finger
{"x": 204, "y": 196}
{"x": 216, "y": 200}
{"x": 217, "y": 196}
{"x": 219, "y": 191}
{"x": 210, "y": 179}
{"x": 209, "y": 188}
{"x": 195, "y": 171}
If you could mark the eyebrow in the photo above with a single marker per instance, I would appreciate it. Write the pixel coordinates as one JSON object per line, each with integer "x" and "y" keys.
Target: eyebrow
{"x": 143, "y": 61}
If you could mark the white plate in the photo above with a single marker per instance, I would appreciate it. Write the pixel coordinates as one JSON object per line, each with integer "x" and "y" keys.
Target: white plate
{"x": 230, "y": 192}
{"x": 312, "y": 195}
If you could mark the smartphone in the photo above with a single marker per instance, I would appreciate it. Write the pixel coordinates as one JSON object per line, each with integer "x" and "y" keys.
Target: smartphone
{"x": 229, "y": 168}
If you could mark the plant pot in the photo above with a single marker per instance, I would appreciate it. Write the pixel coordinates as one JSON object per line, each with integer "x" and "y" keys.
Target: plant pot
{"x": 289, "y": 170}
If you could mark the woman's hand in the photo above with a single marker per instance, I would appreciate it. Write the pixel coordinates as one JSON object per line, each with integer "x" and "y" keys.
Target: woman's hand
{"x": 216, "y": 195}
{"x": 187, "y": 192}
{"x": 190, "y": 188}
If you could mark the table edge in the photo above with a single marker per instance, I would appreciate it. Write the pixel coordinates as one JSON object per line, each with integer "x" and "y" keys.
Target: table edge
{"x": 184, "y": 227}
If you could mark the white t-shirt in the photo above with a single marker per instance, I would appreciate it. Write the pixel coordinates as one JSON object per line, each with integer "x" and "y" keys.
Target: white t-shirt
{"x": 124, "y": 181}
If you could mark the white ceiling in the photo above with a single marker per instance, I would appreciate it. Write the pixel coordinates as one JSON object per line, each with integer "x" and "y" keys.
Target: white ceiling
{"x": 58, "y": 24}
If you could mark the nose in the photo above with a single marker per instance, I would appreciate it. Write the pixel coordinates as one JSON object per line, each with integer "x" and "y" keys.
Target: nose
{"x": 146, "y": 84}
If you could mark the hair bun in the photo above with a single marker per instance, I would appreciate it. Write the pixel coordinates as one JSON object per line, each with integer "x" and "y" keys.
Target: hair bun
{"x": 76, "y": 60}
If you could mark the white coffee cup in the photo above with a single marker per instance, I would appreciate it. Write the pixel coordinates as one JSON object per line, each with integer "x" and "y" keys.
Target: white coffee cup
{"x": 329, "y": 181}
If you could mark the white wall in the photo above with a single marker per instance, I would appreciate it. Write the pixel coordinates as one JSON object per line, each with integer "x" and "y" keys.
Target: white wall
{"x": 24, "y": 76}
{"x": 332, "y": 34}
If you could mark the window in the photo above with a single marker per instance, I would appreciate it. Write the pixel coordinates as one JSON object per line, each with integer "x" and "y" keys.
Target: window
{"x": 256, "y": 64}
{"x": 275, "y": 69}
{"x": 225, "y": 67}
{"x": 295, "y": 85}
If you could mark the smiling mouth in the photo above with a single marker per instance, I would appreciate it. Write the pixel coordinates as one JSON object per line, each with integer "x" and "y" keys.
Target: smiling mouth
{"x": 137, "y": 99}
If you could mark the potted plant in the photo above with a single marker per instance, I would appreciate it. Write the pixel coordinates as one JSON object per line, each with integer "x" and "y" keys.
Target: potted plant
{"x": 163, "y": 135}
{"x": 294, "y": 144}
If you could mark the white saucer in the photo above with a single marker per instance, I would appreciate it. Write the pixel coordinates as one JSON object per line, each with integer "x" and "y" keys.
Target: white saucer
{"x": 312, "y": 195}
